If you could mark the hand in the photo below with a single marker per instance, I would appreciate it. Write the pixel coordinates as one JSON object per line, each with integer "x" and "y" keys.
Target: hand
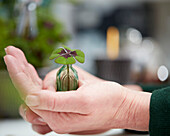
{"x": 75, "y": 106}
{"x": 26, "y": 80}
{"x": 74, "y": 111}
{"x": 115, "y": 107}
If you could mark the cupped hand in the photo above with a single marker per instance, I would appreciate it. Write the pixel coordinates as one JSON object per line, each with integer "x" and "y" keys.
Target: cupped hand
{"x": 96, "y": 106}
{"x": 27, "y": 81}
{"x": 93, "y": 106}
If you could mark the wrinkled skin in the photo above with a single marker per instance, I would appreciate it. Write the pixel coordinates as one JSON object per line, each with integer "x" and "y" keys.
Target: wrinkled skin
{"x": 66, "y": 112}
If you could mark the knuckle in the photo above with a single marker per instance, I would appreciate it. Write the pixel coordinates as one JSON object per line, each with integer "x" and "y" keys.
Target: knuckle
{"x": 47, "y": 101}
{"x": 51, "y": 103}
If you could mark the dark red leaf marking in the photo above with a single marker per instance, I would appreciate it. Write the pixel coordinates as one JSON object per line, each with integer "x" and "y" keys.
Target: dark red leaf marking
{"x": 74, "y": 53}
{"x": 62, "y": 52}
{"x": 67, "y": 50}
{"x": 66, "y": 55}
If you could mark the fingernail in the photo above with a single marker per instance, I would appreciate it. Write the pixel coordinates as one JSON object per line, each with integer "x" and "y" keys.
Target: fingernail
{"x": 39, "y": 121}
{"x": 4, "y": 57}
{"x": 24, "y": 109}
{"x": 32, "y": 100}
{"x": 5, "y": 50}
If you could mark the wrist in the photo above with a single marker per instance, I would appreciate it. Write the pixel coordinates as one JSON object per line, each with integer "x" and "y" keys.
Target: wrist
{"x": 136, "y": 110}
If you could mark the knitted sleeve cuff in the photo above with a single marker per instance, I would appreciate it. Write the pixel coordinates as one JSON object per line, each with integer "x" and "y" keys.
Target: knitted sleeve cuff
{"x": 159, "y": 124}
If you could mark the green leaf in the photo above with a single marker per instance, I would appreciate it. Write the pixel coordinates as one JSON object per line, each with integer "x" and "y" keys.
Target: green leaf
{"x": 61, "y": 60}
{"x": 54, "y": 56}
{"x": 62, "y": 56}
{"x": 70, "y": 60}
{"x": 67, "y": 48}
{"x": 80, "y": 56}
{"x": 65, "y": 61}
{"x": 55, "y": 53}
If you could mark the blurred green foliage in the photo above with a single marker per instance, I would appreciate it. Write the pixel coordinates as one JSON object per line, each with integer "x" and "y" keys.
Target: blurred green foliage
{"x": 37, "y": 50}
{"x": 10, "y": 99}
{"x": 8, "y": 6}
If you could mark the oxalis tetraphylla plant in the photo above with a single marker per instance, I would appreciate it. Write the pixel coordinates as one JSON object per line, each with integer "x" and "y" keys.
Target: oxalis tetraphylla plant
{"x": 67, "y": 77}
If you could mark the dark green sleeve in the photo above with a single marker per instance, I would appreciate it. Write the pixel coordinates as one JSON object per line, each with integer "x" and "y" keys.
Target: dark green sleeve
{"x": 159, "y": 124}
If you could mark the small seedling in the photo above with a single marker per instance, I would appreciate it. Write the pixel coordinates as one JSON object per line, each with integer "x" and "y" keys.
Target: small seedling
{"x": 67, "y": 78}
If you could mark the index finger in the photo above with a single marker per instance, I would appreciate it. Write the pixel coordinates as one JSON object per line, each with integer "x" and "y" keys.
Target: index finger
{"x": 20, "y": 74}
{"x": 22, "y": 62}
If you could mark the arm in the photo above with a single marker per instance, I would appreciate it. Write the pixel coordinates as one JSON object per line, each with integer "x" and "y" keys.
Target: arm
{"x": 159, "y": 124}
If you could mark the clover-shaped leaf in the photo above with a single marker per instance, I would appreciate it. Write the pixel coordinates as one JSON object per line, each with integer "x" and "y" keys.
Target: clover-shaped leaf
{"x": 55, "y": 53}
{"x": 67, "y": 56}
{"x": 63, "y": 60}
{"x": 80, "y": 56}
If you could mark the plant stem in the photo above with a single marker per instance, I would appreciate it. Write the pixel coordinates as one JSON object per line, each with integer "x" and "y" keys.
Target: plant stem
{"x": 68, "y": 77}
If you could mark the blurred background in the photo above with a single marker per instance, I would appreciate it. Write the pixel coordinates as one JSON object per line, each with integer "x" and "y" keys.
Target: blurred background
{"x": 127, "y": 41}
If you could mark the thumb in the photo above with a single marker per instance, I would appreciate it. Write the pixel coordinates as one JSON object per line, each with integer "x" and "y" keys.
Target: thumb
{"x": 71, "y": 101}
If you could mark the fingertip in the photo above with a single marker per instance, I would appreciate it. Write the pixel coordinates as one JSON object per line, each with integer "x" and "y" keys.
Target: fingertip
{"x": 11, "y": 47}
{"x": 22, "y": 110}
{"x": 28, "y": 115}
{"x": 5, "y": 58}
{"x": 8, "y": 58}
{"x": 32, "y": 100}
{"x": 13, "y": 50}
{"x": 17, "y": 54}
{"x": 5, "y": 50}
{"x": 8, "y": 48}
{"x": 41, "y": 129}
